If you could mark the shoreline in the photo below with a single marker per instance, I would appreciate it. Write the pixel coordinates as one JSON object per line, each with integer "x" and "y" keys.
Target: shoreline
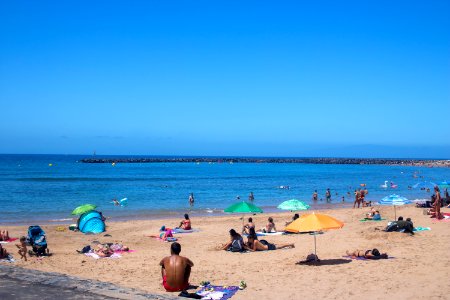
{"x": 175, "y": 213}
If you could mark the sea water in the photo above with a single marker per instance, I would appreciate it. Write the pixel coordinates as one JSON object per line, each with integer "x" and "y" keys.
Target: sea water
{"x": 46, "y": 188}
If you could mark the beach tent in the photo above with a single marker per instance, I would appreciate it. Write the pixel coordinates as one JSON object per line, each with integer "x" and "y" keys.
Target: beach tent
{"x": 91, "y": 221}
{"x": 314, "y": 223}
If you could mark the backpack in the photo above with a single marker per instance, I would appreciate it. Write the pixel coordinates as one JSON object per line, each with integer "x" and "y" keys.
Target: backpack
{"x": 237, "y": 245}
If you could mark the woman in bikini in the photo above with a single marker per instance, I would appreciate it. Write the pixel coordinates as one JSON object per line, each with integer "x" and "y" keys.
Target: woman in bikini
{"x": 369, "y": 254}
{"x": 186, "y": 223}
{"x": 254, "y": 245}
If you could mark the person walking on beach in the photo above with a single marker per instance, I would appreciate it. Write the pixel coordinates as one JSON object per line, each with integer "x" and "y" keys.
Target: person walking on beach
{"x": 314, "y": 195}
{"x": 175, "y": 270}
{"x": 357, "y": 199}
{"x": 251, "y": 198}
{"x": 191, "y": 200}
{"x": 328, "y": 195}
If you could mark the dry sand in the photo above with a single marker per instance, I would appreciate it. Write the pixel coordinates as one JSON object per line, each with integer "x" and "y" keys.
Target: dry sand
{"x": 420, "y": 269}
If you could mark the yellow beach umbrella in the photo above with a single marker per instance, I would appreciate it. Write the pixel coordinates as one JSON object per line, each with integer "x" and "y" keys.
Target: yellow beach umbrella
{"x": 314, "y": 223}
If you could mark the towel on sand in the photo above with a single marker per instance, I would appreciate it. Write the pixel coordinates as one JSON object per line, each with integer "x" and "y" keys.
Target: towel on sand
{"x": 8, "y": 241}
{"x": 217, "y": 292}
{"x": 421, "y": 229}
{"x": 96, "y": 256}
{"x": 9, "y": 259}
{"x": 370, "y": 220}
{"x": 363, "y": 258}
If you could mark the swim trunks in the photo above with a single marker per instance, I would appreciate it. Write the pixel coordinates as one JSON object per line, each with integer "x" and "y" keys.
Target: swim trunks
{"x": 172, "y": 289}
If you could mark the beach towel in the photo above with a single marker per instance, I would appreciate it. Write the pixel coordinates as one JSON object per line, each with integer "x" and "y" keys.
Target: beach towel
{"x": 96, "y": 256}
{"x": 369, "y": 220}
{"x": 363, "y": 258}
{"x": 421, "y": 229}
{"x": 9, "y": 259}
{"x": 217, "y": 292}
{"x": 179, "y": 230}
{"x": 8, "y": 241}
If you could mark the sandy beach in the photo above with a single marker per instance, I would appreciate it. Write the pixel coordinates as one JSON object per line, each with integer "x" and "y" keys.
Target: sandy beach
{"x": 419, "y": 270}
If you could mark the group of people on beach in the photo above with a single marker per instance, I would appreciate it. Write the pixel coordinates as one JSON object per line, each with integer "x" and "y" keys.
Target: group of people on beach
{"x": 360, "y": 198}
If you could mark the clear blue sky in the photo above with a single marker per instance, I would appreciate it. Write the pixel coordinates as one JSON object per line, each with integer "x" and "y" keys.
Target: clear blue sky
{"x": 314, "y": 78}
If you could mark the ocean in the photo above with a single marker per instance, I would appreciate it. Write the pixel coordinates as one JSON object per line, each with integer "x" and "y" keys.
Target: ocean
{"x": 37, "y": 189}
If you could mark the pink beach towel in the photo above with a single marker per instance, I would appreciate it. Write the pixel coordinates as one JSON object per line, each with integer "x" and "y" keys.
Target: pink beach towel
{"x": 8, "y": 241}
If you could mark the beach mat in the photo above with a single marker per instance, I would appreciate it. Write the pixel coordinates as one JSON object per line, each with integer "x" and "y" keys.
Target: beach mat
{"x": 363, "y": 258}
{"x": 416, "y": 229}
{"x": 169, "y": 240}
{"x": 96, "y": 256}
{"x": 8, "y": 259}
{"x": 369, "y": 220}
{"x": 218, "y": 292}
{"x": 8, "y": 241}
{"x": 178, "y": 230}
{"x": 267, "y": 233}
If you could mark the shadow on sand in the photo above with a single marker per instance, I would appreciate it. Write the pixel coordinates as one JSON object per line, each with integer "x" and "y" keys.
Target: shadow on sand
{"x": 325, "y": 262}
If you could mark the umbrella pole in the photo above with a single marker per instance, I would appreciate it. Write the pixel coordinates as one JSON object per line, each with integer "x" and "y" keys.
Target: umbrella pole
{"x": 395, "y": 214}
{"x": 315, "y": 248}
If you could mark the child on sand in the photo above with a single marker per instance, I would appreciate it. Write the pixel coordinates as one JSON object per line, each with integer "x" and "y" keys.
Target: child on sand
{"x": 22, "y": 248}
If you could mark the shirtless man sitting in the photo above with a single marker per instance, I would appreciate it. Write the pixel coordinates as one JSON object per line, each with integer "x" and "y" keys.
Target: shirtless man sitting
{"x": 175, "y": 270}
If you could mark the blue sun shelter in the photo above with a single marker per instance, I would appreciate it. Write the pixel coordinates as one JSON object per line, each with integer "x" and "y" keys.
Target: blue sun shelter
{"x": 91, "y": 222}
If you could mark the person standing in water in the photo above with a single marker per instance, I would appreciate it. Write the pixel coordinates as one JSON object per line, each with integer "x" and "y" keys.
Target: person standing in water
{"x": 251, "y": 198}
{"x": 328, "y": 195}
{"x": 314, "y": 195}
{"x": 191, "y": 199}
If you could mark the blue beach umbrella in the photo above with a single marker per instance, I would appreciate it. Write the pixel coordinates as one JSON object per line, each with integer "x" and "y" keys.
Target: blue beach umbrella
{"x": 394, "y": 200}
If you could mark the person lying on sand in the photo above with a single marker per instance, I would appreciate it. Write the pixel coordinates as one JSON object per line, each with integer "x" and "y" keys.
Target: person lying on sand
{"x": 175, "y": 270}
{"x": 4, "y": 235}
{"x": 186, "y": 223}
{"x": 254, "y": 245}
{"x": 295, "y": 217}
{"x": 103, "y": 250}
{"x": 248, "y": 226}
{"x": 369, "y": 254}
{"x": 376, "y": 216}
{"x": 270, "y": 227}
{"x": 166, "y": 234}
{"x": 22, "y": 248}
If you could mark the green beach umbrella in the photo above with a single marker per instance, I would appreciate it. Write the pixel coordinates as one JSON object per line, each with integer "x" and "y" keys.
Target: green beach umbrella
{"x": 293, "y": 205}
{"x": 243, "y": 208}
{"x": 83, "y": 209}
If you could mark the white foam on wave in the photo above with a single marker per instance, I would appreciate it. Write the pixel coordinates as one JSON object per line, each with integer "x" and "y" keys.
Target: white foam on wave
{"x": 60, "y": 220}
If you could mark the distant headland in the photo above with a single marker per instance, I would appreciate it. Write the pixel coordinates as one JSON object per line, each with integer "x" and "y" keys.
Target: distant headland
{"x": 338, "y": 161}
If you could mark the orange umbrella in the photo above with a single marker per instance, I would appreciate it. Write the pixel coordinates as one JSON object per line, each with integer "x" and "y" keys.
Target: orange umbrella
{"x": 314, "y": 222}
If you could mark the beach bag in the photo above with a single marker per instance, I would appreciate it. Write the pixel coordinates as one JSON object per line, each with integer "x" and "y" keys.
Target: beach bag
{"x": 237, "y": 245}
{"x": 393, "y": 226}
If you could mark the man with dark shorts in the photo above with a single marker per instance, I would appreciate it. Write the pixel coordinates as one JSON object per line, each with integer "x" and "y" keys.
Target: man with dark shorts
{"x": 175, "y": 270}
